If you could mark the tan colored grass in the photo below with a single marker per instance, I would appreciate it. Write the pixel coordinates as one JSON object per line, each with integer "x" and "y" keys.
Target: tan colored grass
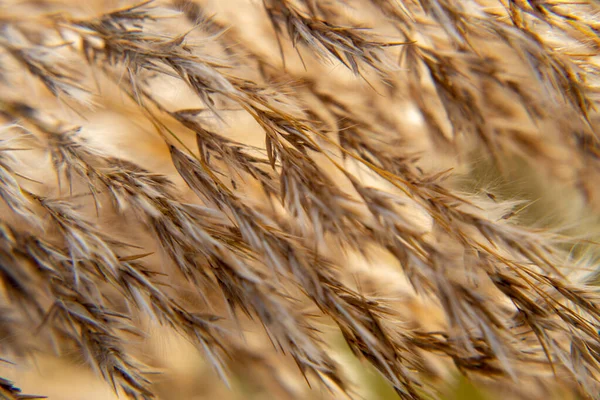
{"x": 216, "y": 167}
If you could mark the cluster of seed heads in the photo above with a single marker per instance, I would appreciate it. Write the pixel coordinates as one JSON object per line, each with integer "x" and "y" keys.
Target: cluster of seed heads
{"x": 263, "y": 233}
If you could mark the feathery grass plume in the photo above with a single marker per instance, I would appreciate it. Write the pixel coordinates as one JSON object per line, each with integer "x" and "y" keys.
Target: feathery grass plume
{"x": 264, "y": 148}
